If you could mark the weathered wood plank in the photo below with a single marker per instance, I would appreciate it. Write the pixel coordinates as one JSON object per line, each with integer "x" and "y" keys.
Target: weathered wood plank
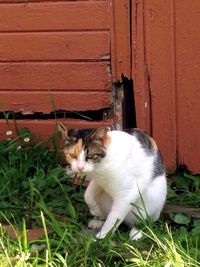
{"x": 44, "y": 128}
{"x": 160, "y": 65}
{"x": 188, "y": 82}
{"x": 139, "y": 71}
{"x": 33, "y": 101}
{"x": 65, "y": 15}
{"x": 69, "y": 46}
{"x": 55, "y": 76}
{"x": 120, "y": 49}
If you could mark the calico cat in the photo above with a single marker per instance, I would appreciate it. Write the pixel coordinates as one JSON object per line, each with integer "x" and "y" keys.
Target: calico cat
{"x": 128, "y": 176}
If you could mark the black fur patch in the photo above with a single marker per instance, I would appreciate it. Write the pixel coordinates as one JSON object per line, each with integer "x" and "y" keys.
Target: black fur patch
{"x": 143, "y": 139}
{"x": 148, "y": 147}
{"x": 75, "y": 135}
{"x": 159, "y": 168}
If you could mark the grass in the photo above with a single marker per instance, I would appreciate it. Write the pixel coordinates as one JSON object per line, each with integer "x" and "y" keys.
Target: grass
{"x": 36, "y": 192}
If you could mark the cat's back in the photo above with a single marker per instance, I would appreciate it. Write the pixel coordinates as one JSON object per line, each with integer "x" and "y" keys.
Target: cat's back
{"x": 133, "y": 137}
{"x": 146, "y": 141}
{"x": 134, "y": 143}
{"x": 135, "y": 148}
{"x": 120, "y": 138}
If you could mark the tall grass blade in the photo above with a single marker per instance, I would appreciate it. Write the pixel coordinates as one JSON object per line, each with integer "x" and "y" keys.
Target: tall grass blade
{"x": 48, "y": 251}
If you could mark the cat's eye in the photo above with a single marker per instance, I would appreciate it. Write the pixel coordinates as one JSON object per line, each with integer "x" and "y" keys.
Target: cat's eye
{"x": 72, "y": 155}
{"x": 94, "y": 156}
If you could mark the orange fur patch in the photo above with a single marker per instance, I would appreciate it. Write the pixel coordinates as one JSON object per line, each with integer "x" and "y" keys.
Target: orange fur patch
{"x": 73, "y": 150}
{"x": 153, "y": 143}
{"x": 106, "y": 140}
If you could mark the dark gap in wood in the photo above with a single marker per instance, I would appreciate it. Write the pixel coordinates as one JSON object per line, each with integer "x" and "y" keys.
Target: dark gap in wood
{"x": 129, "y": 114}
{"x": 90, "y": 115}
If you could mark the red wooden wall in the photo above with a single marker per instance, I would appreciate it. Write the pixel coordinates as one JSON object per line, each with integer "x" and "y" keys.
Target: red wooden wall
{"x": 61, "y": 50}
{"x": 56, "y": 50}
{"x": 166, "y": 72}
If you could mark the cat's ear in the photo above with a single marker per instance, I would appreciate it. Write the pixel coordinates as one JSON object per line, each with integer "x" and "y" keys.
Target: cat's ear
{"x": 100, "y": 133}
{"x": 63, "y": 130}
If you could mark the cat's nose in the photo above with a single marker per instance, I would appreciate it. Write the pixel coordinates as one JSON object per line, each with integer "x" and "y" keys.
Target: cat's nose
{"x": 80, "y": 168}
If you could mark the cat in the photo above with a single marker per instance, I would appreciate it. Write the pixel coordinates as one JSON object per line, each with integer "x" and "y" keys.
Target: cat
{"x": 128, "y": 176}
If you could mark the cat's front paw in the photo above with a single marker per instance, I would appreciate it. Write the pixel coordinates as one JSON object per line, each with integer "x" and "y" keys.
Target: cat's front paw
{"x": 135, "y": 234}
{"x": 96, "y": 212}
{"x": 100, "y": 235}
{"x": 95, "y": 224}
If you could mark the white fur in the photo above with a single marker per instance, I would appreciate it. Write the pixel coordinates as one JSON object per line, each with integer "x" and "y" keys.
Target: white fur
{"x": 119, "y": 182}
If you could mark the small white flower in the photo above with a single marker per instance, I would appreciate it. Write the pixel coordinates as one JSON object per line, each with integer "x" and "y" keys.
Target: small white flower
{"x": 23, "y": 257}
{"x": 8, "y": 139}
{"x": 26, "y": 139}
{"x": 19, "y": 147}
{"x": 9, "y": 133}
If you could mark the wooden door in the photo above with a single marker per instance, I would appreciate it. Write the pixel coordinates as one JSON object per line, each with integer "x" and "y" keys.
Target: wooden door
{"x": 166, "y": 73}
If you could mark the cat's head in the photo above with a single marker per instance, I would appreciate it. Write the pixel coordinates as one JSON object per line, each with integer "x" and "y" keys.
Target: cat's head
{"x": 84, "y": 148}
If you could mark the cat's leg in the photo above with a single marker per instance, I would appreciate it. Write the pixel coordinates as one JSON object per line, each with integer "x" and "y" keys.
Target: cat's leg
{"x": 153, "y": 199}
{"x": 122, "y": 206}
{"x": 91, "y": 195}
{"x": 148, "y": 205}
{"x": 105, "y": 203}
{"x": 135, "y": 233}
{"x": 117, "y": 214}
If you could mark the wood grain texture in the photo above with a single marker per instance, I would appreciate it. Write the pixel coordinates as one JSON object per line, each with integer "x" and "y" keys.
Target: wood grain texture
{"x": 139, "y": 70}
{"x": 63, "y": 15}
{"x": 160, "y": 60}
{"x": 188, "y": 82}
{"x": 71, "y": 46}
{"x": 45, "y": 128}
{"x": 55, "y": 76}
{"x": 120, "y": 49}
{"x": 32, "y": 101}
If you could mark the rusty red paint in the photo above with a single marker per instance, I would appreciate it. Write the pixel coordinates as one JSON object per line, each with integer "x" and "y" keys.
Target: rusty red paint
{"x": 49, "y": 16}
{"x": 166, "y": 64}
{"x": 61, "y": 76}
{"x": 32, "y": 101}
{"x": 44, "y": 128}
{"x": 188, "y": 82}
{"x": 159, "y": 37}
{"x": 139, "y": 71}
{"x": 56, "y": 46}
{"x": 120, "y": 34}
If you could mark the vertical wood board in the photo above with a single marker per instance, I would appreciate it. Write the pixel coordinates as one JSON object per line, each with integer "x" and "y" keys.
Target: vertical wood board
{"x": 160, "y": 59}
{"x": 139, "y": 71}
{"x": 120, "y": 39}
{"x": 188, "y": 82}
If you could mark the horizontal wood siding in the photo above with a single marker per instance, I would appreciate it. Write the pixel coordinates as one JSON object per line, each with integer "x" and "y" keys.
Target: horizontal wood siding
{"x": 54, "y": 51}
{"x": 44, "y": 128}
{"x": 54, "y": 16}
{"x": 55, "y": 76}
{"x": 33, "y": 101}
{"x": 56, "y": 46}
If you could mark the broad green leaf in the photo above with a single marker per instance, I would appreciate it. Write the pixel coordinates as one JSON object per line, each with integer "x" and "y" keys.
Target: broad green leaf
{"x": 180, "y": 218}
